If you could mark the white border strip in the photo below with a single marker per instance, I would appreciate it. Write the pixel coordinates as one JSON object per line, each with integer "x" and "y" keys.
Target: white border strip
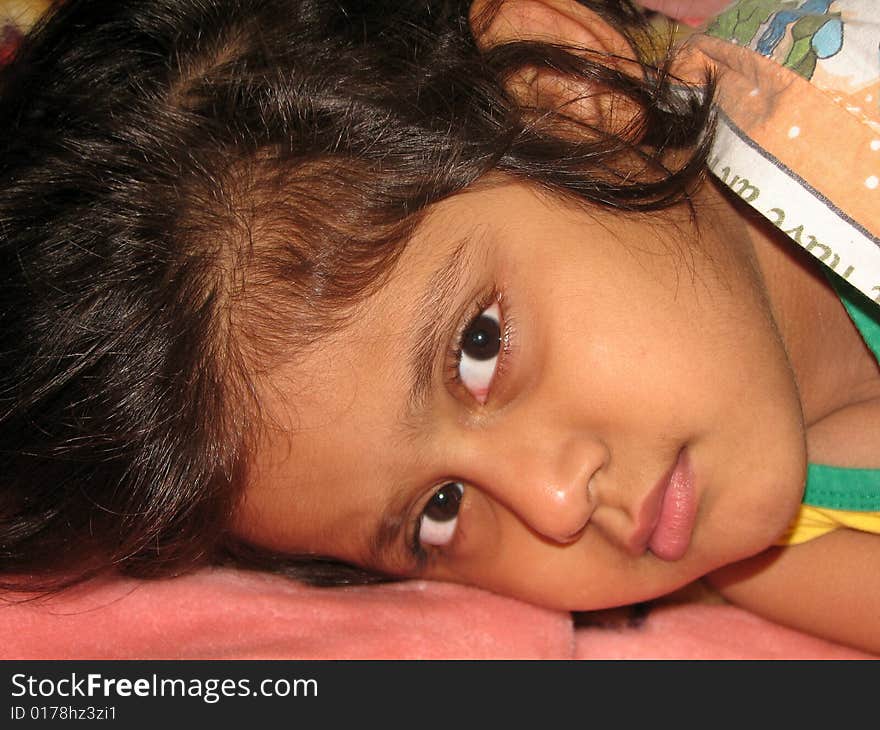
{"x": 801, "y": 212}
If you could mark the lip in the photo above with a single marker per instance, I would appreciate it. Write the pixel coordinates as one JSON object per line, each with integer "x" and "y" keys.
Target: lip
{"x": 668, "y": 514}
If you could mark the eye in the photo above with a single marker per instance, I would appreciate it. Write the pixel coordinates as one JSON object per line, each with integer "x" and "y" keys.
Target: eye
{"x": 440, "y": 516}
{"x": 479, "y": 348}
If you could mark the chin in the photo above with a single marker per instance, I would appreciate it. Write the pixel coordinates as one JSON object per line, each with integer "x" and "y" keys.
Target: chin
{"x": 784, "y": 490}
{"x": 758, "y": 527}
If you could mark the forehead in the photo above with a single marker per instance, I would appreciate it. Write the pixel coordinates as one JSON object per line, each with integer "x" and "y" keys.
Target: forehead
{"x": 334, "y": 414}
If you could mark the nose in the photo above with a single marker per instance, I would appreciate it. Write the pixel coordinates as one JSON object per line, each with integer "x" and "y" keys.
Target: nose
{"x": 544, "y": 478}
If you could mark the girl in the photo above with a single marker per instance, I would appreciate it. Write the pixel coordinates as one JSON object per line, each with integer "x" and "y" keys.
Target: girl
{"x": 368, "y": 290}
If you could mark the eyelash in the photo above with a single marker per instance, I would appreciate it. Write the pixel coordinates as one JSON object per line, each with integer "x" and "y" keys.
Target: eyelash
{"x": 451, "y": 369}
{"x": 416, "y": 549}
{"x": 424, "y": 556}
{"x": 454, "y": 353}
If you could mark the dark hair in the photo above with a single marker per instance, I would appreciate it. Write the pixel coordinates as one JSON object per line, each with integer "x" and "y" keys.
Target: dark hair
{"x": 187, "y": 187}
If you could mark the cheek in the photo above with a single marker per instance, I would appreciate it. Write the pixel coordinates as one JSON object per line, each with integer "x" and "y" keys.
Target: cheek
{"x": 755, "y": 465}
{"x": 707, "y": 368}
{"x": 644, "y": 365}
{"x": 751, "y": 442}
{"x": 699, "y": 342}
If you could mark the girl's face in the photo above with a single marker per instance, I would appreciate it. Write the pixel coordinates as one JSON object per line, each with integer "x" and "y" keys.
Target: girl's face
{"x": 579, "y": 409}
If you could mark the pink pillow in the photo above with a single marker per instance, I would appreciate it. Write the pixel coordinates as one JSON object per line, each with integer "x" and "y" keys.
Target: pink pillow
{"x": 227, "y": 614}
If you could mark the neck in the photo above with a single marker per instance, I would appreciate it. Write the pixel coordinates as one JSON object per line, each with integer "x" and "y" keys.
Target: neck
{"x": 832, "y": 365}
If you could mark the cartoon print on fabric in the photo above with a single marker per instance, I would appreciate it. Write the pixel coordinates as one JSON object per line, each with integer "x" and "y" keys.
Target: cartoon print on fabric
{"x": 795, "y": 35}
{"x": 16, "y": 17}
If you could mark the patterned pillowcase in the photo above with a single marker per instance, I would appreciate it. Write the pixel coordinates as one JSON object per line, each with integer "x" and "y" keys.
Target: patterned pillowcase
{"x": 16, "y": 16}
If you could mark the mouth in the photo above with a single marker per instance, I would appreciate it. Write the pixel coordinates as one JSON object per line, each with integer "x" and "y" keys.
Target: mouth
{"x": 668, "y": 515}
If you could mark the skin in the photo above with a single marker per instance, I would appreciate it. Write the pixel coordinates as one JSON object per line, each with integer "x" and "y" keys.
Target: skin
{"x": 627, "y": 340}
{"x": 593, "y": 399}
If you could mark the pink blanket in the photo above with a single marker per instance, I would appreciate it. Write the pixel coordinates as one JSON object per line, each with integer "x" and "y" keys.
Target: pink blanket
{"x": 228, "y": 614}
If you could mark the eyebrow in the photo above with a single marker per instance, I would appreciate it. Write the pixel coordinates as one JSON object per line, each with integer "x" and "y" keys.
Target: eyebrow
{"x": 432, "y": 325}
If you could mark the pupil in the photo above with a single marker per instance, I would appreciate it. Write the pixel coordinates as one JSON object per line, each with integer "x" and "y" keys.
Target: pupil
{"x": 482, "y": 340}
{"x": 444, "y": 504}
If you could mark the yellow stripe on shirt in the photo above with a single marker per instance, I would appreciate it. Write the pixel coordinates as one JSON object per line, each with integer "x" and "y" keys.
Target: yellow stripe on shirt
{"x": 812, "y": 522}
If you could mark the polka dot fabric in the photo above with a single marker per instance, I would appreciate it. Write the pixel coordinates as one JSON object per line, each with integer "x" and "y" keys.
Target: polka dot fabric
{"x": 799, "y": 123}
